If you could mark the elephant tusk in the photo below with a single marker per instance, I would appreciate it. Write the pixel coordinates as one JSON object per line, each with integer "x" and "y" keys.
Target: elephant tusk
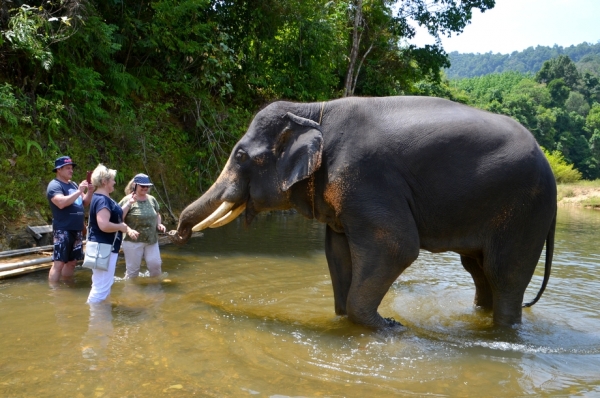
{"x": 220, "y": 212}
{"x": 229, "y": 217}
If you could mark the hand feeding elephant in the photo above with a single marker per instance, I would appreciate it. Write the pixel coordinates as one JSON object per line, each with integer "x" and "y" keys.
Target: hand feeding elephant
{"x": 390, "y": 176}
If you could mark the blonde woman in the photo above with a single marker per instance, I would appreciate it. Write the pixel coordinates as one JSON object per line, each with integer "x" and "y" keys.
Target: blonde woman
{"x": 140, "y": 210}
{"x": 106, "y": 220}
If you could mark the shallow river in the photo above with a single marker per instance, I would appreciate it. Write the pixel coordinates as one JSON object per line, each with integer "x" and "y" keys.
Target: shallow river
{"x": 249, "y": 312}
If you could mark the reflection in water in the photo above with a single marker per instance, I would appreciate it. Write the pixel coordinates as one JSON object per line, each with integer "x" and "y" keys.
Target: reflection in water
{"x": 249, "y": 312}
{"x": 100, "y": 330}
{"x": 138, "y": 302}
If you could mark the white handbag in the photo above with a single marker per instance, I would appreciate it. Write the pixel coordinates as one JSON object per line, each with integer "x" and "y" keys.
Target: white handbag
{"x": 97, "y": 255}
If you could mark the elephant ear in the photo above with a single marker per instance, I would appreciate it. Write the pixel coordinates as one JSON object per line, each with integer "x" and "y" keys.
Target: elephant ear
{"x": 299, "y": 149}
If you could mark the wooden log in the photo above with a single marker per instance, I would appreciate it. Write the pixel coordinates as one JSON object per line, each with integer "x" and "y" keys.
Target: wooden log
{"x": 25, "y": 263}
{"x": 23, "y": 270}
{"x": 20, "y": 252}
{"x": 37, "y": 232}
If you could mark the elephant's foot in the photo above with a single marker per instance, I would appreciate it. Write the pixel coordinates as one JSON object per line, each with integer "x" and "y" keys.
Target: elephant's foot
{"x": 484, "y": 301}
{"x": 507, "y": 312}
{"x": 376, "y": 322}
{"x": 340, "y": 310}
{"x": 392, "y": 323}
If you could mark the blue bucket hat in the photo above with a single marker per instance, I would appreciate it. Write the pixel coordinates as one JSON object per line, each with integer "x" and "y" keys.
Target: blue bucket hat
{"x": 63, "y": 161}
{"x": 142, "y": 179}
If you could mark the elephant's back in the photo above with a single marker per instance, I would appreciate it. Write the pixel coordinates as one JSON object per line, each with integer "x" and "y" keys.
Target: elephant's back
{"x": 428, "y": 134}
{"x": 448, "y": 153}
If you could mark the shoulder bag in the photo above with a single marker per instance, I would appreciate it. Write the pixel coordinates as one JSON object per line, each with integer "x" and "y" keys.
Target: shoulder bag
{"x": 97, "y": 255}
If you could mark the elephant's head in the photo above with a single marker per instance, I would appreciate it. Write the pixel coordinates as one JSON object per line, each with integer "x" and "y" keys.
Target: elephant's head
{"x": 278, "y": 150}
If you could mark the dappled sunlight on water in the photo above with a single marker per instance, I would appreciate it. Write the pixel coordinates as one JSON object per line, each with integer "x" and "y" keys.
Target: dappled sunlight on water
{"x": 249, "y": 312}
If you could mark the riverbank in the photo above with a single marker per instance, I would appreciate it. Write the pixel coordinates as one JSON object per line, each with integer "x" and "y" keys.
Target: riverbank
{"x": 582, "y": 194}
{"x": 14, "y": 235}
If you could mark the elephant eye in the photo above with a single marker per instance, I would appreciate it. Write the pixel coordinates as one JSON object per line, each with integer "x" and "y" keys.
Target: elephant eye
{"x": 241, "y": 156}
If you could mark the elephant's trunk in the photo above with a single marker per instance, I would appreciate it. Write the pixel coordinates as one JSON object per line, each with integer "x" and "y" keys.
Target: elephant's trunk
{"x": 195, "y": 213}
{"x": 215, "y": 208}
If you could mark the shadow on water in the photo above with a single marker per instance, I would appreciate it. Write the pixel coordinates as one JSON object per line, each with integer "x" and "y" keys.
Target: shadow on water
{"x": 249, "y": 312}
{"x": 277, "y": 234}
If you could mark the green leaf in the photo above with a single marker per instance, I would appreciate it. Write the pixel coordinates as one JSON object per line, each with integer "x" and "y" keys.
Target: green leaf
{"x": 34, "y": 144}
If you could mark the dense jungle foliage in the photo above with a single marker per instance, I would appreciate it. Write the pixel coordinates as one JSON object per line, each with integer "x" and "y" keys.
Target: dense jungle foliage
{"x": 586, "y": 56}
{"x": 167, "y": 87}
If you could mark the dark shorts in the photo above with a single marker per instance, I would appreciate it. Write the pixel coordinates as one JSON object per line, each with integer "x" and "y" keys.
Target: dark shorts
{"x": 68, "y": 246}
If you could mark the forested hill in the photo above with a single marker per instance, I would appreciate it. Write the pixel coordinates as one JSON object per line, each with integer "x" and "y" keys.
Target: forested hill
{"x": 530, "y": 60}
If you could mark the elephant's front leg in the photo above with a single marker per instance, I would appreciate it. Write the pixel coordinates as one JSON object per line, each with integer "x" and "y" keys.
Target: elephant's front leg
{"x": 339, "y": 260}
{"x": 378, "y": 258}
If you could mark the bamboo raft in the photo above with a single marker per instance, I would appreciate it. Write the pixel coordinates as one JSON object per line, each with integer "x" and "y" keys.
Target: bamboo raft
{"x": 36, "y": 259}
{"x": 40, "y": 258}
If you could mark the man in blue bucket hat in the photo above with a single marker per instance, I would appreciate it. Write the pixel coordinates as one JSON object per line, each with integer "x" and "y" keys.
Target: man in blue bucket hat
{"x": 66, "y": 200}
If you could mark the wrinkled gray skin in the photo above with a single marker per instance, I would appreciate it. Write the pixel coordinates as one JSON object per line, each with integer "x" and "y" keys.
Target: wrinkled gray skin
{"x": 390, "y": 176}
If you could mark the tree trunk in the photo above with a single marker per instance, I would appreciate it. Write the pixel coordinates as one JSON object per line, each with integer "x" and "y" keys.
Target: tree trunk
{"x": 359, "y": 66}
{"x": 354, "y": 52}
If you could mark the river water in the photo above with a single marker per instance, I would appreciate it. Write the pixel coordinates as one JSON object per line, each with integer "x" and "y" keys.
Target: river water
{"x": 248, "y": 312}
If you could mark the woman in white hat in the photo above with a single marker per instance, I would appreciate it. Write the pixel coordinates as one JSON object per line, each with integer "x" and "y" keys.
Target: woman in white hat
{"x": 141, "y": 212}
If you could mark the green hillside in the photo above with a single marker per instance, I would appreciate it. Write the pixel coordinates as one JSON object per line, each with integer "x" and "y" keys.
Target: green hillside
{"x": 530, "y": 60}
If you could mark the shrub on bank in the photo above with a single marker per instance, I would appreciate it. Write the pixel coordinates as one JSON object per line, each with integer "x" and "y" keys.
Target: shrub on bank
{"x": 564, "y": 173}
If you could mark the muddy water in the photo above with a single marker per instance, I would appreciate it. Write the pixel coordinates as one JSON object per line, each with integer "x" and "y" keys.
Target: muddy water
{"x": 249, "y": 312}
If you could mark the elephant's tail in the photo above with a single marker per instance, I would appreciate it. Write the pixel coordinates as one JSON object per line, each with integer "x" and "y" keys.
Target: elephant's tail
{"x": 548, "y": 265}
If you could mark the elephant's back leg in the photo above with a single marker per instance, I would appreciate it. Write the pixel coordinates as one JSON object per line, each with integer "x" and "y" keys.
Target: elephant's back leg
{"x": 510, "y": 261}
{"x": 483, "y": 291}
{"x": 508, "y": 275}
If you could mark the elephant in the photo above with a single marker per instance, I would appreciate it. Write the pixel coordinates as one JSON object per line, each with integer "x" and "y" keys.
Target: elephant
{"x": 390, "y": 176}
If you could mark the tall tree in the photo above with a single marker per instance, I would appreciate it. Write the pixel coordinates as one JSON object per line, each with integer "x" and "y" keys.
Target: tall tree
{"x": 358, "y": 21}
{"x": 373, "y": 24}
{"x": 561, "y": 67}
